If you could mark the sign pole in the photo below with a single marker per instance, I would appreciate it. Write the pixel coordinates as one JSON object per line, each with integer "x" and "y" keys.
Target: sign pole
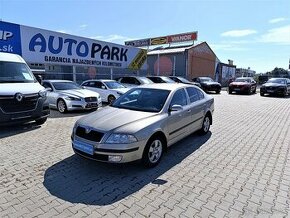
{"x": 158, "y": 65}
{"x": 74, "y": 74}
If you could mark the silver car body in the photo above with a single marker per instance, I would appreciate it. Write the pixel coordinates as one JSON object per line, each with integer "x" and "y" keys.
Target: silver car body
{"x": 87, "y": 99}
{"x": 104, "y": 90}
{"x": 174, "y": 125}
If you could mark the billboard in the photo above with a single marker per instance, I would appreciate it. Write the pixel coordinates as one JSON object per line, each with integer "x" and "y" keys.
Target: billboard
{"x": 48, "y": 47}
{"x": 183, "y": 37}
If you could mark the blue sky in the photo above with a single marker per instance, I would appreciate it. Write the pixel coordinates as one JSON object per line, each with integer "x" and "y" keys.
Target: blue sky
{"x": 253, "y": 34}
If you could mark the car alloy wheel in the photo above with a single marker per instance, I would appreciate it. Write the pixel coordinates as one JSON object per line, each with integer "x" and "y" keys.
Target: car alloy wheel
{"x": 205, "y": 125}
{"x": 61, "y": 106}
{"x": 153, "y": 152}
{"x": 111, "y": 99}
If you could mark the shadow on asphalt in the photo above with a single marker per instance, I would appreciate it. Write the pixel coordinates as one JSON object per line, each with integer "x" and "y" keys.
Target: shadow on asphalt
{"x": 6, "y": 131}
{"x": 56, "y": 114}
{"x": 276, "y": 96}
{"x": 78, "y": 180}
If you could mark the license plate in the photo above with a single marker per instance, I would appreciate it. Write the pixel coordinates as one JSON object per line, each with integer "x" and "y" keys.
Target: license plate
{"x": 271, "y": 91}
{"x": 89, "y": 149}
{"x": 92, "y": 105}
{"x": 237, "y": 89}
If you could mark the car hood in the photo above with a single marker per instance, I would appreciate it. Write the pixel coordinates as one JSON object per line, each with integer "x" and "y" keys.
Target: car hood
{"x": 273, "y": 84}
{"x": 24, "y": 88}
{"x": 83, "y": 93}
{"x": 211, "y": 83}
{"x": 110, "y": 118}
{"x": 122, "y": 90}
{"x": 240, "y": 83}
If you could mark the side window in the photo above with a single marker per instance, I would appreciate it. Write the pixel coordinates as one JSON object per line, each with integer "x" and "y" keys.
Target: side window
{"x": 46, "y": 85}
{"x": 193, "y": 94}
{"x": 85, "y": 84}
{"x": 98, "y": 85}
{"x": 136, "y": 81}
{"x": 91, "y": 84}
{"x": 179, "y": 98}
{"x": 200, "y": 94}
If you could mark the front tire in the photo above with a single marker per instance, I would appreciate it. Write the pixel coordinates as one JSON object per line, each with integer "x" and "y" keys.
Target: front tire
{"x": 205, "y": 125}
{"x": 261, "y": 93}
{"x": 153, "y": 152}
{"x": 41, "y": 121}
{"x": 111, "y": 99}
{"x": 61, "y": 106}
{"x": 218, "y": 91}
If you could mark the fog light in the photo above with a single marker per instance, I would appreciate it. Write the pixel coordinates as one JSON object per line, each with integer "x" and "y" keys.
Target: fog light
{"x": 115, "y": 158}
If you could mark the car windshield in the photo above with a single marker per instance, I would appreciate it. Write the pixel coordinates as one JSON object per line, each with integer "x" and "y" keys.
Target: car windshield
{"x": 114, "y": 85}
{"x": 183, "y": 80}
{"x": 275, "y": 80}
{"x": 243, "y": 80}
{"x": 143, "y": 99}
{"x": 145, "y": 80}
{"x": 206, "y": 79}
{"x": 65, "y": 85}
{"x": 13, "y": 72}
{"x": 167, "y": 79}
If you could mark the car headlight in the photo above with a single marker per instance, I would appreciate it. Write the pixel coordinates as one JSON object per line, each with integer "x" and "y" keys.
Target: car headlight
{"x": 72, "y": 98}
{"x": 121, "y": 139}
{"x": 42, "y": 93}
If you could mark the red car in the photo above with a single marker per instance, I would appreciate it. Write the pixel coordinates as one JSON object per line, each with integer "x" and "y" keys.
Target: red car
{"x": 243, "y": 85}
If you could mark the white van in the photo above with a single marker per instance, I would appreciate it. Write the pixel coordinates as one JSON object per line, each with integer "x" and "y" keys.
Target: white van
{"x": 22, "y": 98}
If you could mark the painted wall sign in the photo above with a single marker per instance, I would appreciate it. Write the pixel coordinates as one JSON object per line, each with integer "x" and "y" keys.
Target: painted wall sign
{"x": 43, "y": 46}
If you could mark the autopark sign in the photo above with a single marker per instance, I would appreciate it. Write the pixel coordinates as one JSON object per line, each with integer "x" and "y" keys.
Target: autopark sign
{"x": 43, "y": 46}
{"x": 183, "y": 37}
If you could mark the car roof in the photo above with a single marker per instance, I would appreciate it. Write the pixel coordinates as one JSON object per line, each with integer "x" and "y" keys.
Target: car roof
{"x": 9, "y": 57}
{"x": 57, "y": 80}
{"x": 100, "y": 80}
{"x": 166, "y": 86}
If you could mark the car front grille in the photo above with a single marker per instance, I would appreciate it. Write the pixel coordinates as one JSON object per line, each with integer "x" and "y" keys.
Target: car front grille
{"x": 91, "y": 99}
{"x": 9, "y": 104}
{"x": 98, "y": 157}
{"x": 91, "y": 135}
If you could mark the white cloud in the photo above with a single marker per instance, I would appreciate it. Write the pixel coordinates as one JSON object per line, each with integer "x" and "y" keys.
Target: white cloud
{"x": 277, "y": 20}
{"x": 239, "y": 33}
{"x": 83, "y": 26}
{"x": 228, "y": 47}
{"x": 279, "y": 35}
{"x": 112, "y": 38}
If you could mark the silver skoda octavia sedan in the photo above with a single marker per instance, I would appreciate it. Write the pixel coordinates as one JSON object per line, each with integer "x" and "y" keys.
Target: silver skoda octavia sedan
{"x": 142, "y": 123}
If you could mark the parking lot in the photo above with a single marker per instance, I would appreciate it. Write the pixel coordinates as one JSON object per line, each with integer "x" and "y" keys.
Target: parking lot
{"x": 241, "y": 168}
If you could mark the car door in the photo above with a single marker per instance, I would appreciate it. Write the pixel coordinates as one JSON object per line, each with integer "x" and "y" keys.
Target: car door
{"x": 197, "y": 106}
{"x": 178, "y": 121}
{"x": 101, "y": 89}
{"x": 51, "y": 95}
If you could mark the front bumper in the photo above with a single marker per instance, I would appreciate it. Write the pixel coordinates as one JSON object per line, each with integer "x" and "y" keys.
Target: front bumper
{"x": 273, "y": 90}
{"x": 211, "y": 88}
{"x": 111, "y": 153}
{"x": 240, "y": 89}
{"x": 82, "y": 105}
{"x": 40, "y": 111}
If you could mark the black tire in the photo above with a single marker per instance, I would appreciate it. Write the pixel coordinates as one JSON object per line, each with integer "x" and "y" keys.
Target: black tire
{"x": 285, "y": 93}
{"x": 205, "y": 125}
{"x": 61, "y": 106}
{"x": 249, "y": 91}
{"x": 149, "y": 158}
{"x": 218, "y": 91}
{"x": 255, "y": 90}
{"x": 230, "y": 91}
{"x": 111, "y": 99}
{"x": 41, "y": 121}
{"x": 261, "y": 93}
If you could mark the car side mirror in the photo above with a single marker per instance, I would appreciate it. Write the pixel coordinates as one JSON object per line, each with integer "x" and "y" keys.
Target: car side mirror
{"x": 175, "y": 107}
{"x": 39, "y": 79}
{"x": 48, "y": 89}
{"x": 103, "y": 87}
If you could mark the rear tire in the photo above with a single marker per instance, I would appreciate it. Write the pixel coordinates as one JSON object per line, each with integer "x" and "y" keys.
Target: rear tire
{"x": 261, "y": 94}
{"x": 230, "y": 91}
{"x": 218, "y": 91}
{"x": 41, "y": 121}
{"x": 205, "y": 125}
{"x": 153, "y": 152}
{"x": 61, "y": 106}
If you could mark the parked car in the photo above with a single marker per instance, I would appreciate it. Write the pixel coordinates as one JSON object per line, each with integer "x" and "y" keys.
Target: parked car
{"x": 207, "y": 84}
{"x": 160, "y": 79}
{"x": 243, "y": 85}
{"x": 109, "y": 90}
{"x": 65, "y": 95}
{"x": 22, "y": 98}
{"x": 133, "y": 81}
{"x": 142, "y": 123}
{"x": 180, "y": 79}
{"x": 276, "y": 86}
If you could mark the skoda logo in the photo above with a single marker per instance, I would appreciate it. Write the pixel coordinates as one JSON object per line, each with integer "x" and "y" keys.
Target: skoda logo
{"x": 88, "y": 130}
{"x": 19, "y": 97}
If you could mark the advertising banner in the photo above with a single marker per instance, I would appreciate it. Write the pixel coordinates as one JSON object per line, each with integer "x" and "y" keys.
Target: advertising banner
{"x": 183, "y": 37}
{"x": 48, "y": 47}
